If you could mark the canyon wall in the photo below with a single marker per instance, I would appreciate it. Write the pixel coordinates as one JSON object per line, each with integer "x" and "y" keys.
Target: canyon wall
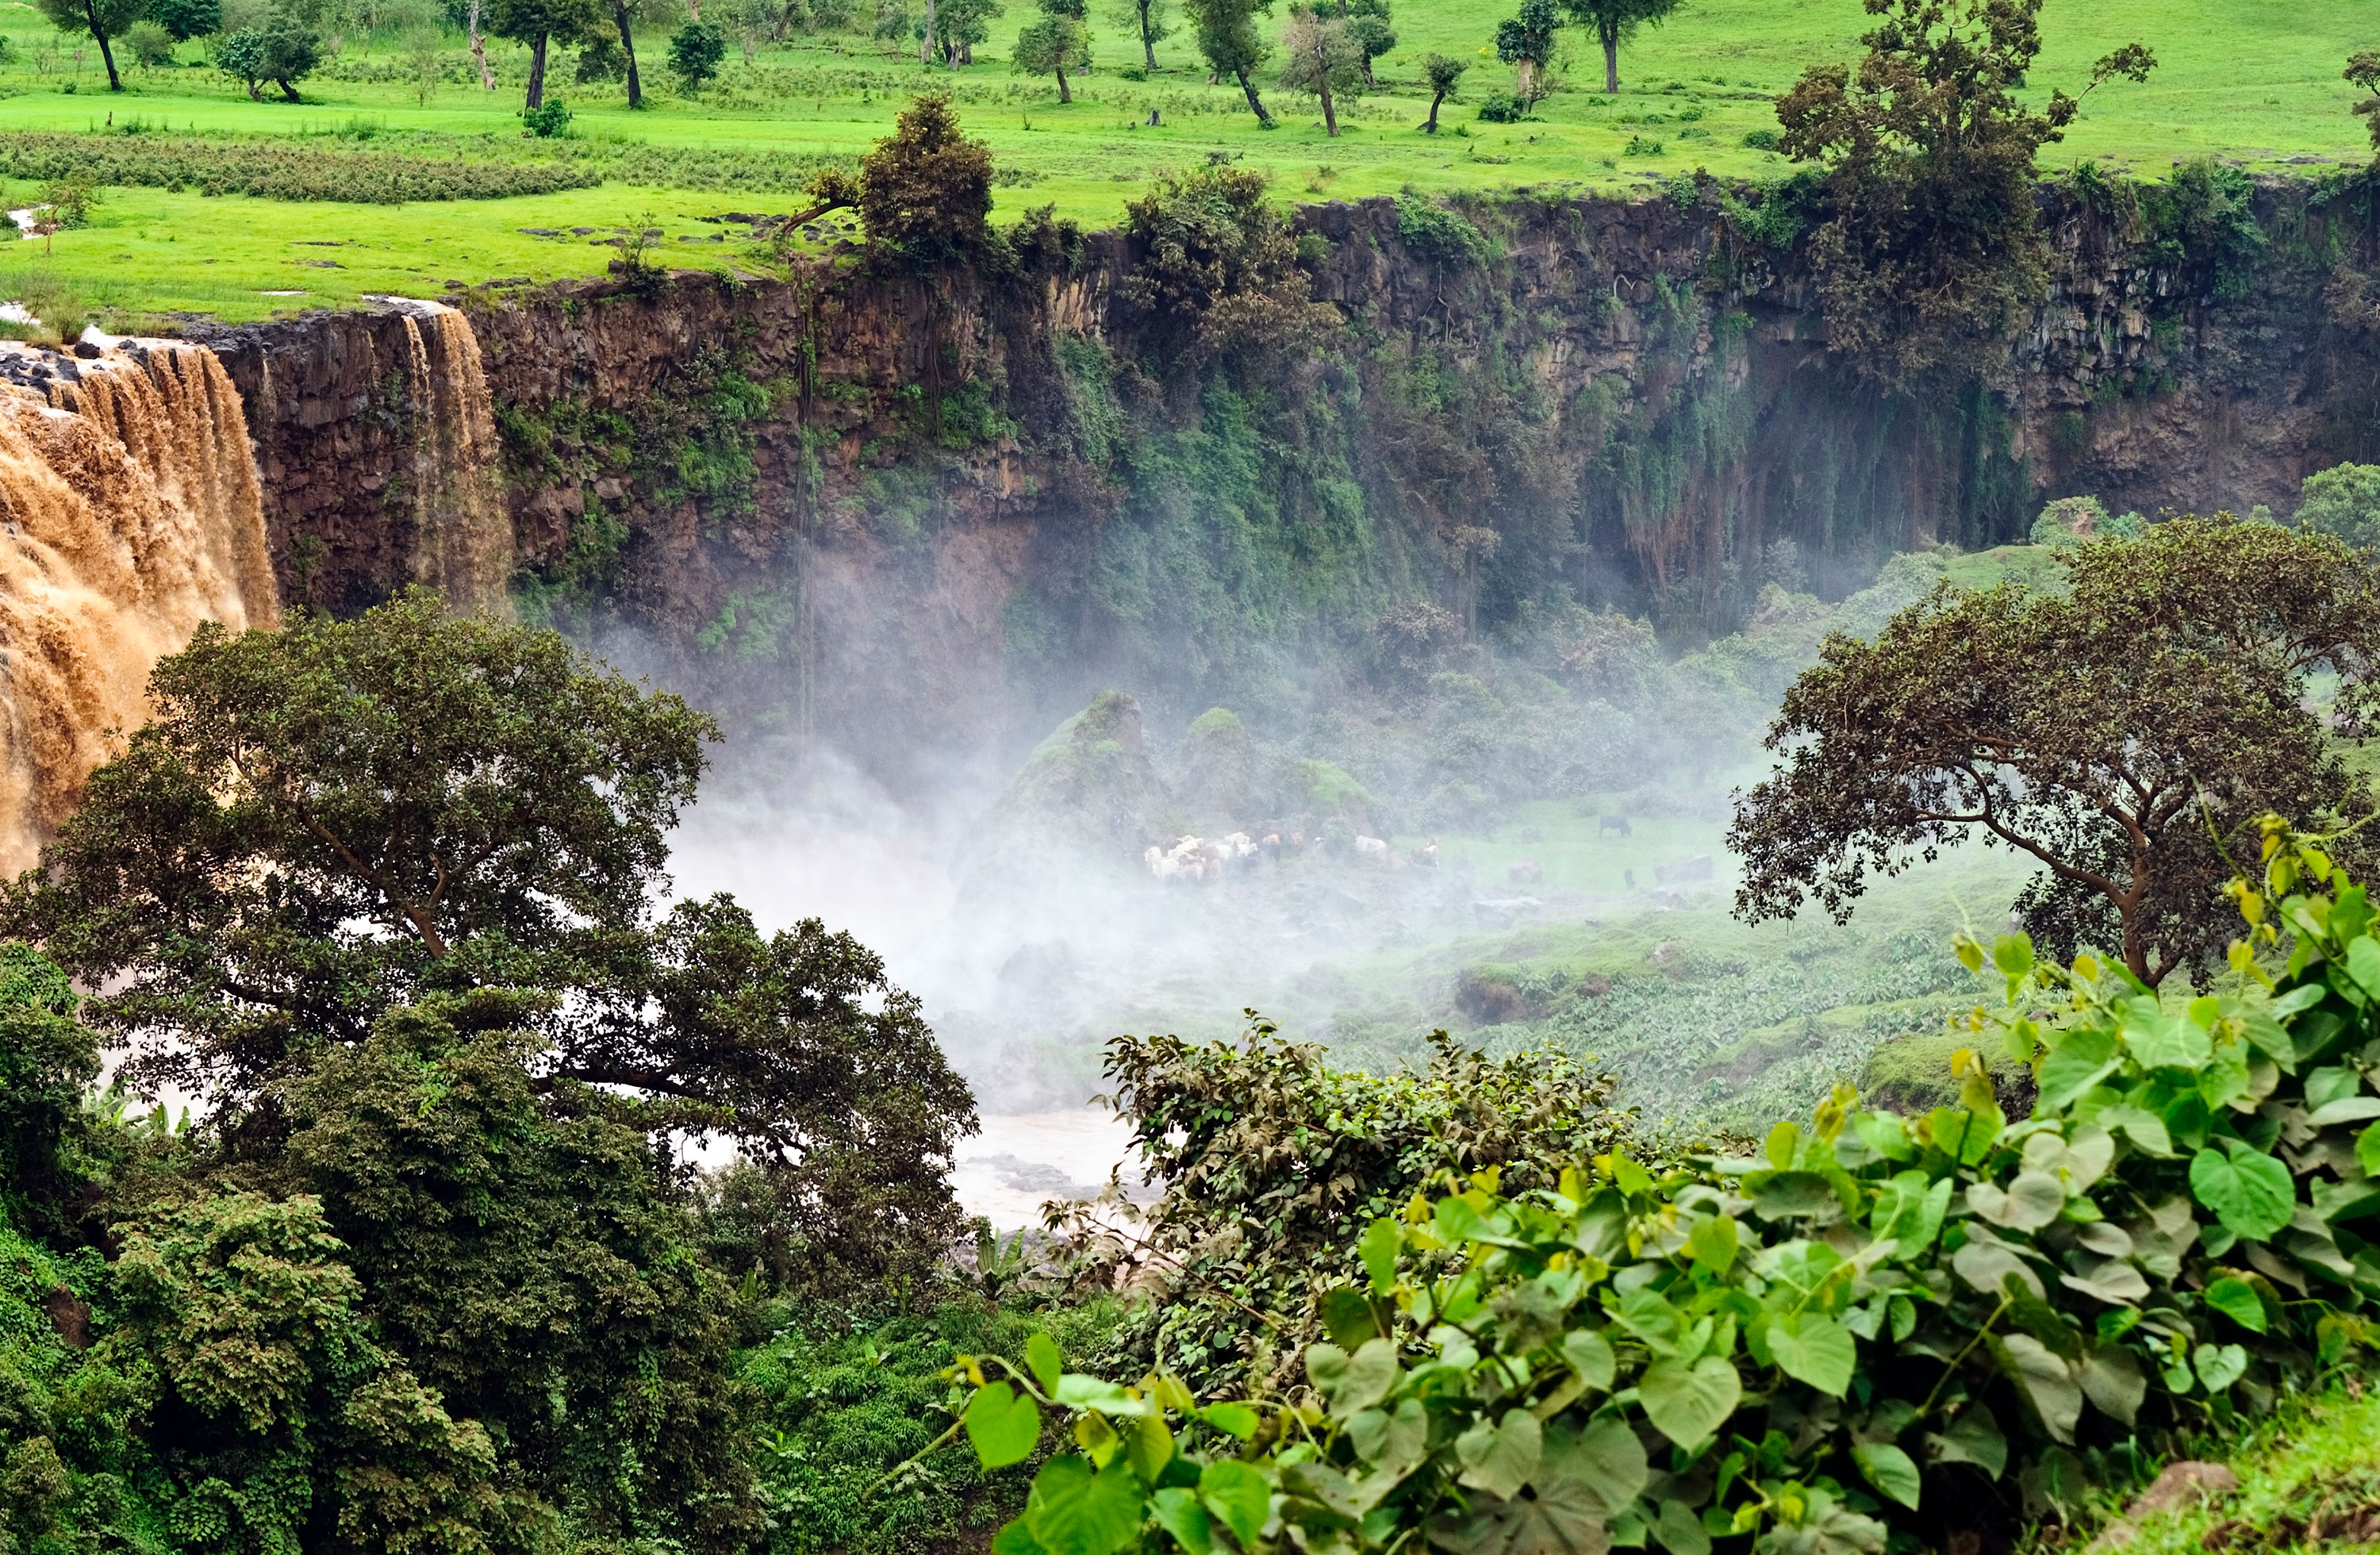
{"x": 899, "y": 508}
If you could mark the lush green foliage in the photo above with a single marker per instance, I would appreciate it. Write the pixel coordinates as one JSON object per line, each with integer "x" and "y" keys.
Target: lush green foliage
{"x": 926, "y": 189}
{"x": 1271, "y": 1161}
{"x": 1768, "y": 1348}
{"x": 2115, "y": 732}
{"x": 2344, "y": 501}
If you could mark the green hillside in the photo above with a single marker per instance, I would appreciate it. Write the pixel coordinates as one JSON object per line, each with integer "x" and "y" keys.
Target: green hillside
{"x": 2255, "y": 82}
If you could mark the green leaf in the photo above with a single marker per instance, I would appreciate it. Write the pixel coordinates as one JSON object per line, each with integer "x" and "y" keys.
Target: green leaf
{"x": 1973, "y": 1438}
{"x": 2140, "y": 1125}
{"x": 1232, "y": 1419}
{"x": 1967, "y": 1136}
{"x": 1589, "y": 1354}
{"x": 1813, "y": 1348}
{"x": 1499, "y": 1457}
{"x": 1909, "y": 1209}
{"x": 1072, "y": 1510}
{"x": 1687, "y": 1404}
{"x": 1041, "y": 1358}
{"x": 1886, "y": 1135}
{"x": 1179, "y": 1513}
{"x": 1394, "y": 1443}
{"x": 2111, "y": 1379}
{"x": 2346, "y": 1108}
{"x": 1002, "y": 1424}
{"x": 1379, "y": 1250}
{"x": 1238, "y": 1495}
{"x": 1018, "y": 1539}
{"x": 1890, "y": 1469}
{"x": 1148, "y": 1446}
{"x": 2080, "y": 1060}
{"x": 2249, "y": 1191}
{"x": 2167, "y": 1042}
{"x": 1371, "y": 1373}
{"x": 2031, "y": 1201}
{"x": 1679, "y": 1531}
{"x": 1347, "y": 1317}
{"x": 2238, "y": 1300}
{"x": 2219, "y": 1366}
{"x": 1712, "y": 1244}
{"x": 2013, "y": 954}
{"x": 2364, "y": 964}
{"x": 1457, "y": 1222}
{"x": 1988, "y": 1265}
{"x": 2044, "y": 1381}
{"x": 2367, "y": 1151}
{"x": 1606, "y": 1459}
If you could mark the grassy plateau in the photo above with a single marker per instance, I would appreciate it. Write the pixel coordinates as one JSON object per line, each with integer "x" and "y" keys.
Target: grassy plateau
{"x": 2258, "y": 82}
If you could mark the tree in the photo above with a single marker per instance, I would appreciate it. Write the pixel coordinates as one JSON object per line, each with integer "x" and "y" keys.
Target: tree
{"x": 960, "y": 25}
{"x": 186, "y": 19}
{"x": 324, "y": 823}
{"x": 1615, "y": 21}
{"x": 1932, "y": 246}
{"x": 540, "y": 24}
{"x": 1445, "y": 74}
{"x": 1053, "y": 45}
{"x": 48, "y": 1061}
{"x": 1367, "y": 23}
{"x": 284, "y": 51}
{"x": 620, "y": 22}
{"x": 2105, "y": 735}
{"x": 424, "y": 50}
{"x": 695, "y": 53}
{"x": 2364, "y": 70}
{"x": 926, "y": 189}
{"x": 1219, "y": 275}
{"x": 2344, "y": 501}
{"x": 1526, "y": 43}
{"x": 1320, "y": 56}
{"x": 1147, "y": 18}
{"x": 1229, "y": 43}
{"x": 102, "y": 19}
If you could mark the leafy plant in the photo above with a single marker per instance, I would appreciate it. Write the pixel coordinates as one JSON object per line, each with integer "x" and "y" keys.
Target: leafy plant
{"x": 1875, "y": 1328}
{"x": 694, "y": 52}
{"x": 548, "y": 119}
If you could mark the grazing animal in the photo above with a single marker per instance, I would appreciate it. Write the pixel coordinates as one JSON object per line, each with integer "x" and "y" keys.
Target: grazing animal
{"x": 1611, "y": 823}
{"x": 1525, "y": 871}
{"x": 1371, "y": 847}
{"x": 1427, "y": 857}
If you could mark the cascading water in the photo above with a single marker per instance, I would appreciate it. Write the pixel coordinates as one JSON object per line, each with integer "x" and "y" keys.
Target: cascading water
{"x": 463, "y": 538}
{"x": 129, "y": 512}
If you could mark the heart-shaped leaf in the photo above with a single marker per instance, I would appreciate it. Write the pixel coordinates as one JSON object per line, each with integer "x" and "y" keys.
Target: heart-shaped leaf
{"x": 1178, "y": 1513}
{"x": 2238, "y": 1300}
{"x": 2249, "y": 1191}
{"x": 1589, "y": 1354}
{"x": 2219, "y": 1366}
{"x": 2044, "y": 1379}
{"x": 1072, "y": 1510}
{"x": 1687, "y": 1404}
{"x": 1379, "y": 1250}
{"x": 1237, "y": 1494}
{"x": 1813, "y": 1348}
{"x": 1002, "y": 1424}
{"x": 1973, "y": 1438}
{"x": 2112, "y": 1380}
{"x": 1500, "y": 1457}
{"x": 1041, "y": 1358}
{"x": 1889, "y": 1470}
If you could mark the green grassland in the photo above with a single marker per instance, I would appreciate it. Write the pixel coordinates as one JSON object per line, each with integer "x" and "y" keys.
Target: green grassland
{"x": 2258, "y": 82}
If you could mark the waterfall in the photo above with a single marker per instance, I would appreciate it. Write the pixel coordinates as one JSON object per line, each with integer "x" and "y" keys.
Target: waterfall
{"x": 463, "y": 537}
{"x": 129, "y": 512}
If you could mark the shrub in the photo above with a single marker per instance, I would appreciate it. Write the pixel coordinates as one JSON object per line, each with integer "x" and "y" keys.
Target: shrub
{"x": 2344, "y": 501}
{"x": 1761, "y": 1352}
{"x": 548, "y": 119}
{"x": 2072, "y": 520}
{"x": 1504, "y": 107}
{"x": 277, "y": 169}
{"x": 151, "y": 46}
{"x": 1761, "y": 139}
{"x": 1639, "y": 145}
{"x": 1445, "y": 235}
{"x": 694, "y": 52}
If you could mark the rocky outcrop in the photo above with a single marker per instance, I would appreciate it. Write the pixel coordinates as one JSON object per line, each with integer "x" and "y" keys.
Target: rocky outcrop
{"x": 867, "y": 499}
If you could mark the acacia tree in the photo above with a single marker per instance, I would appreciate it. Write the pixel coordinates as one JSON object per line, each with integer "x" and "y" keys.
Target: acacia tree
{"x": 1615, "y": 21}
{"x": 2112, "y": 735}
{"x": 102, "y": 19}
{"x": 1445, "y": 73}
{"x": 1147, "y": 18}
{"x": 540, "y": 24}
{"x": 1229, "y": 43}
{"x": 1056, "y": 44}
{"x": 1320, "y": 56}
{"x": 1931, "y": 246}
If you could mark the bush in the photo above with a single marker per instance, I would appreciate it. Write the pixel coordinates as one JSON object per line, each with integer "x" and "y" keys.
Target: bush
{"x": 2344, "y": 501}
{"x": 548, "y": 119}
{"x": 1761, "y": 1352}
{"x": 2072, "y": 520}
{"x": 1504, "y": 107}
{"x": 1761, "y": 139}
{"x": 278, "y": 169}
{"x": 150, "y": 45}
{"x": 1445, "y": 235}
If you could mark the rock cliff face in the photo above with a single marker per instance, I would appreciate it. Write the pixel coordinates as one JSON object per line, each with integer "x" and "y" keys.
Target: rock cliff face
{"x": 895, "y": 509}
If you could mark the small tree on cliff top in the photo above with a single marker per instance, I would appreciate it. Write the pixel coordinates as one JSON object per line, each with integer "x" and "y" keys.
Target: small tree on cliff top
{"x": 2102, "y": 734}
{"x": 926, "y": 189}
{"x": 1321, "y": 54}
{"x": 2364, "y": 70}
{"x": 1932, "y": 246}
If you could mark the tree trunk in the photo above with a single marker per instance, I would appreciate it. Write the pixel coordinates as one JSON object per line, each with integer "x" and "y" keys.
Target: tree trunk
{"x": 1524, "y": 74}
{"x": 1434, "y": 99}
{"x": 1255, "y": 102}
{"x": 1147, "y": 44}
{"x": 537, "y": 71}
{"x": 90, "y": 11}
{"x": 696, "y": 6}
{"x": 1610, "y": 60}
{"x": 1329, "y": 111}
{"x": 628, "y": 47}
{"x": 479, "y": 51}
{"x": 926, "y": 47}
{"x": 1064, "y": 95}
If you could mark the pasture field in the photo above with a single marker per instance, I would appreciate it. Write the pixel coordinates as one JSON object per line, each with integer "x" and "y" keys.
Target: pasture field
{"x": 2258, "y": 82}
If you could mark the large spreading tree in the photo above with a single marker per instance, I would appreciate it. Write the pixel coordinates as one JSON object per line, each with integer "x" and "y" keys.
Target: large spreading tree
{"x": 1616, "y": 21}
{"x": 2122, "y": 735}
{"x": 324, "y": 825}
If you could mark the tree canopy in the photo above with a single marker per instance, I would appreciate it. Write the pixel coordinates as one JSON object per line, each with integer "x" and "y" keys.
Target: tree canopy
{"x": 1931, "y": 242}
{"x": 2120, "y": 735}
{"x": 1229, "y": 43}
{"x": 1321, "y": 54}
{"x": 926, "y": 189}
{"x": 1615, "y": 21}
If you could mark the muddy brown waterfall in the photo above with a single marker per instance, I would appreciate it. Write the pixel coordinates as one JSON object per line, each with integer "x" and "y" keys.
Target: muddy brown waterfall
{"x": 129, "y": 513}
{"x": 463, "y": 543}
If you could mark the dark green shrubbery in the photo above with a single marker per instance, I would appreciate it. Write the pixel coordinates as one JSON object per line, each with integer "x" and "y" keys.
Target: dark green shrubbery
{"x": 1874, "y": 1330}
{"x": 278, "y": 169}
